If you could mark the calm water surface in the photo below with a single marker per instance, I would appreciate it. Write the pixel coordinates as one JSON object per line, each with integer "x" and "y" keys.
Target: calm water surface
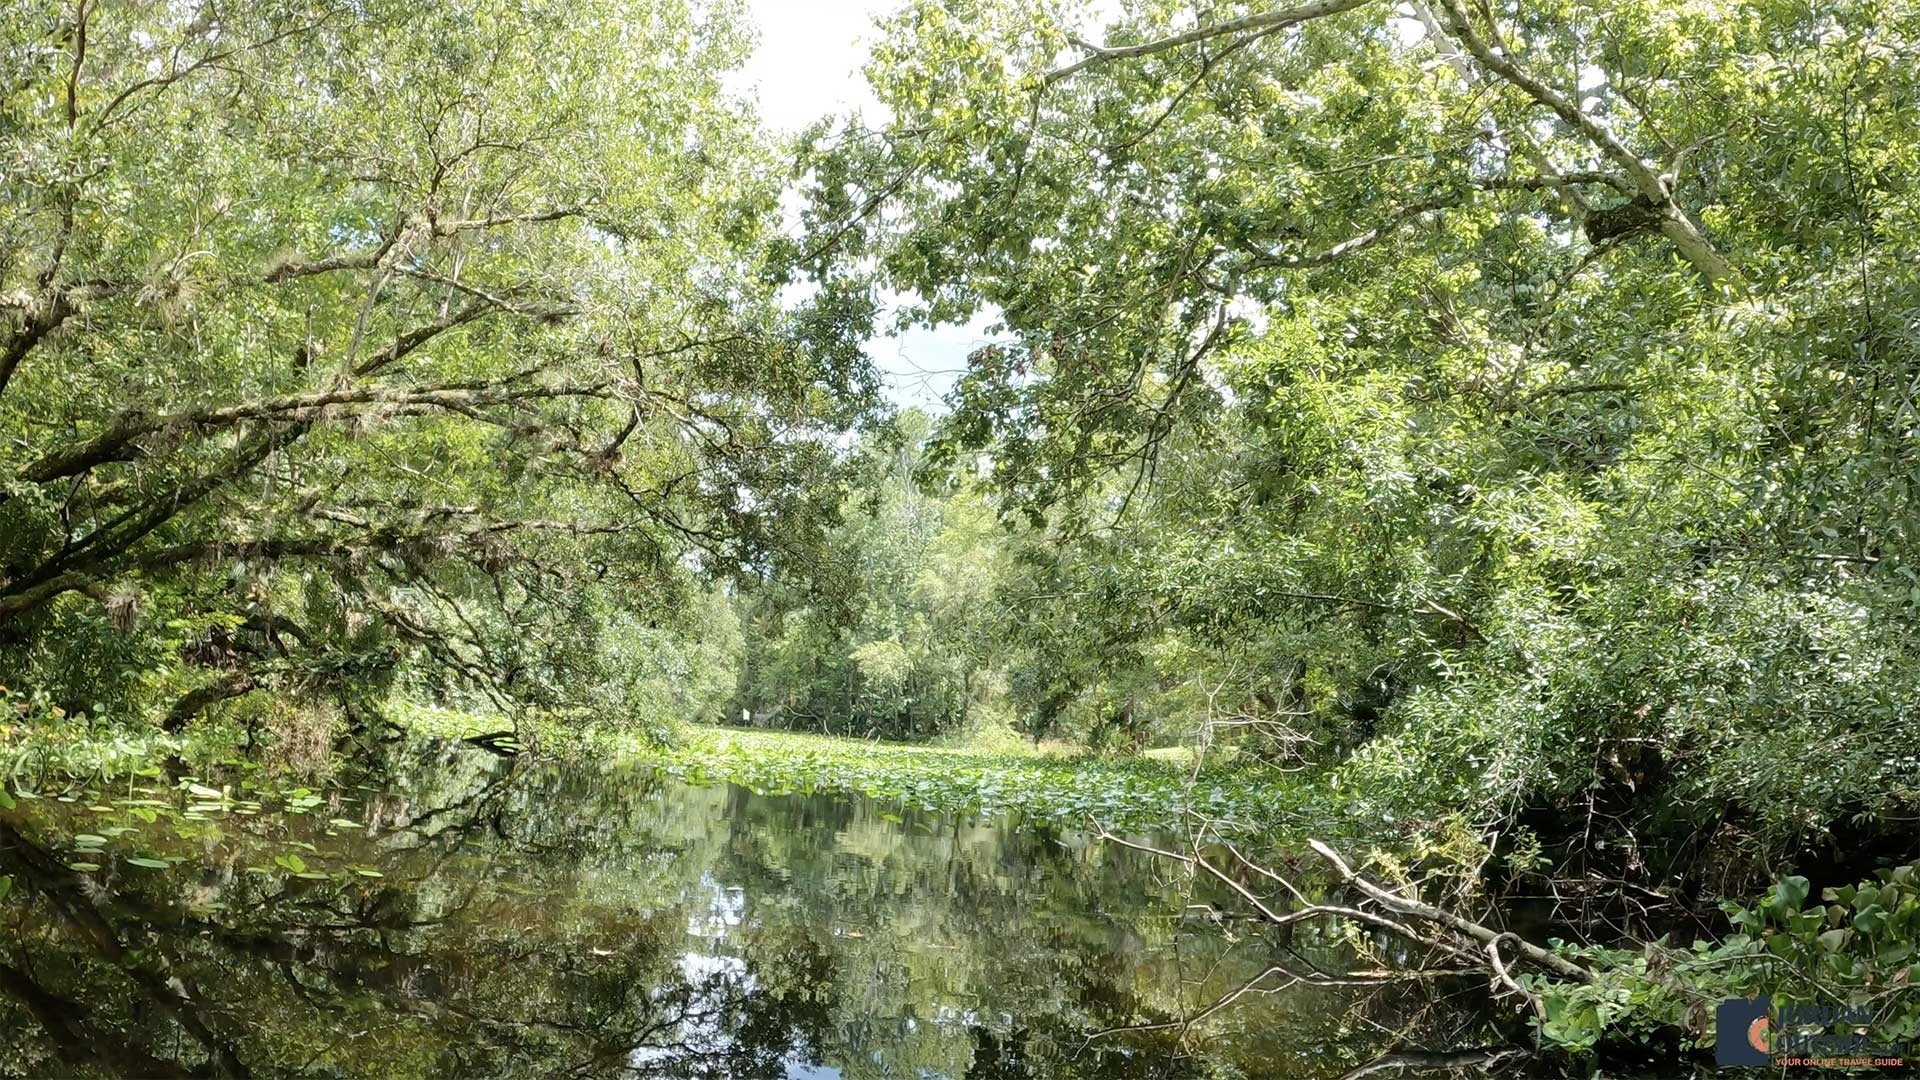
{"x": 454, "y": 914}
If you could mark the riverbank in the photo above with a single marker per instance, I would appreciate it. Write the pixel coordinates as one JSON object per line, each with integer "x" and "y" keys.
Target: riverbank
{"x": 1040, "y": 783}
{"x": 1048, "y": 784}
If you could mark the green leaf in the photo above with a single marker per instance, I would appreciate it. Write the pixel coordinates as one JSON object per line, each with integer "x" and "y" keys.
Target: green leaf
{"x": 151, "y": 864}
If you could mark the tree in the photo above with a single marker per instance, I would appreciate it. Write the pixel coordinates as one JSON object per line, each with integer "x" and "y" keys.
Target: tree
{"x": 333, "y": 335}
{"x": 1520, "y": 389}
{"x": 898, "y": 629}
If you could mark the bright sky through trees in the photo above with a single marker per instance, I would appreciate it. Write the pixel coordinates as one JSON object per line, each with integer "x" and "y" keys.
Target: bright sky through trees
{"x": 805, "y": 65}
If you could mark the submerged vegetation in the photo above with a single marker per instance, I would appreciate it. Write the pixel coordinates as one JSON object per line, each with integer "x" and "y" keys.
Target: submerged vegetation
{"x": 1423, "y": 457}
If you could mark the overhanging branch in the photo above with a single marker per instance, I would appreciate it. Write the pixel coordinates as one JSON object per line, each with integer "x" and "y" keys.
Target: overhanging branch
{"x": 1648, "y": 180}
{"x": 1258, "y": 22}
{"x": 112, "y": 443}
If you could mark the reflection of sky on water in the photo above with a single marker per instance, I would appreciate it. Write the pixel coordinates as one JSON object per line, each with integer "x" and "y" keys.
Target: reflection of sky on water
{"x": 725, "y": 976}
{"x": 726, "y": 906}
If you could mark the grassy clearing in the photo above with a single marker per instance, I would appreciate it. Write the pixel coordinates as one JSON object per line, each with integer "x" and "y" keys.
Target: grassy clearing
{"x": 1038, "y": 783}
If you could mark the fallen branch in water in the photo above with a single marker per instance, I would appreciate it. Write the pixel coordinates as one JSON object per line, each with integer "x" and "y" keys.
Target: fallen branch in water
{"x": 501, "y": 743}
{"x": 1442, "y": 931}
{"x": 1484, "y": 1060}
{"x": 1309, "y": 911}
{"x": 1486, "y": 936}
{"x": 1253, "y": 986}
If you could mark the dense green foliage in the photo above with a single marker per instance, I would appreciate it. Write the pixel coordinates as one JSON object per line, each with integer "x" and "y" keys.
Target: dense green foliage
{"x": 1524, "y": 447}
{"x": 1505, "y": 415}
{"x": 1362, "y": 393}
{"x": 1856, "y": 951}
{"x": 927, "y": 616}
{"x": 895, "y": 631}
{"x": 347, "y": 343}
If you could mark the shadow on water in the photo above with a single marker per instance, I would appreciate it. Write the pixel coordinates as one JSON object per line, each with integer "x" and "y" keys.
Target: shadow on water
{"x": 456, "y": 914}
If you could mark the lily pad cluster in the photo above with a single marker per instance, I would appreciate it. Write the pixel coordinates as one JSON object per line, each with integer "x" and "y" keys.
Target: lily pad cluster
{"x": 146, "y": 826}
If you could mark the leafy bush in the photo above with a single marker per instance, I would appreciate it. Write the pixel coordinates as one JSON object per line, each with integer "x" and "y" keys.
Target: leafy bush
{"x": 1858, "y": 946}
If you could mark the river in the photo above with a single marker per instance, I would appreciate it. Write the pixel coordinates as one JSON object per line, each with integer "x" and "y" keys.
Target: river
{"x": 449, "y": 912}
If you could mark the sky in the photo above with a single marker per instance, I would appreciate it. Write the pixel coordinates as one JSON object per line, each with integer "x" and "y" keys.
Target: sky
{"x": 807, "y": 65}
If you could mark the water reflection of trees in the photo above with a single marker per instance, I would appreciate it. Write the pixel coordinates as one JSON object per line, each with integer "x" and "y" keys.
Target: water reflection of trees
{"x": 557, "y": 922}
{"x": 381, "y": 981}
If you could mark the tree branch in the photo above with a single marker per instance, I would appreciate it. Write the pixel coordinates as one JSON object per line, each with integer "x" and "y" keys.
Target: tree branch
{"x": 1260, "y": 21}
{"x": 1692, "y": 244}
{"x": 1559, "y": 965}
{"x": 111, "y": 444}
{"x": 1414, "y": 211}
